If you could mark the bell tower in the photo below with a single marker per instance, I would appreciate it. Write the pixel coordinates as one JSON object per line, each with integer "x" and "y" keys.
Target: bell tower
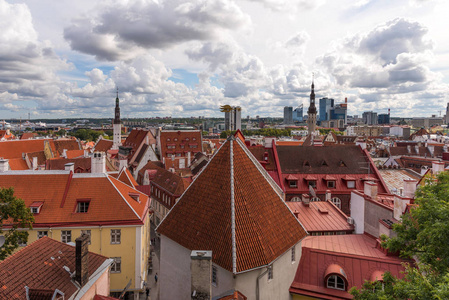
{"x": 117, "y": 126}
{"x": 311, "y": 112}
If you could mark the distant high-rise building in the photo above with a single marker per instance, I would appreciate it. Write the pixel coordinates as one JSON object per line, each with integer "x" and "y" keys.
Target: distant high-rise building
{"x": 298, "y": 114}
{"x": 233, "y": 117}
{"x": 117, "y": 126}
{"x": 383, "y": 119}
{"x": 311, "y": 112}
{"x": 326, "y": 105}
{"x": 370, "y": 118}
{"x": 288, "y": 115}
{"x": 446, "y": 116}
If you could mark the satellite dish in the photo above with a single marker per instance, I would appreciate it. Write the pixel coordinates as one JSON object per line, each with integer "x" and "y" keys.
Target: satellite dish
{"x": 2, "y": 240}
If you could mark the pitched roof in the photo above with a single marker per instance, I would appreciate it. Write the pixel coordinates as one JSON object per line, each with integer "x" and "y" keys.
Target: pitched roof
{"x": 180, "y": 141}
{"x": 103, "y": 145}
{"x": 18, "y": 164}
{"x": 320, "y": 216}
{"x": 40, "y": 155}
{"x": 234, "y": 201}
{"x": 171, "y": 182}
{"x": 346, "y": 159}
{"x": 60, "y": 191}
{"x": 81, "y": 164}
{"x": 137, "y": 137}
{"x": 126, "y": 177}
{"x": 28, "y": 135}
{"x": 68, "y": 144}
{"x": 14, "y": 149}
{"x": 356, "y": 255}
{"x": 40, "y": 265}
{"x": 74, "y": 153}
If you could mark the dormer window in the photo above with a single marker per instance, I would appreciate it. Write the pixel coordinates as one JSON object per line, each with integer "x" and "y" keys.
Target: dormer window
{"x": 35, "y": 207}
{"x": 293, "y": 183}
{"x": 312, "y": 183}
{"x": 331, "y": 184}
{"x": 135, "y": 196}
{"x": 82, "y": 206}
{"x": 336, "y": 282}
{"x": 351, "y": 184}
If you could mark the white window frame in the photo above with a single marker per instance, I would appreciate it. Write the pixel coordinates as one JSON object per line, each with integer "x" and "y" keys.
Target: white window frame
{"x": 350, "y": 184}
{"x": 42, "y": 233}
{"x": 336, "y": 201}
{"x": 334, "y": 280}
{"x": 116, "y": 236}
{"x": 81, "y": 207}
{"x": 34, "y": 210}
{"x": 293, "y": 184}
{"x": 117, "y": 265}
{"x": 66, "y": 236}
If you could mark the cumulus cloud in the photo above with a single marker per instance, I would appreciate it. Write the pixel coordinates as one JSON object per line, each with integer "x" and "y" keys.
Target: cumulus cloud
{"x": 290, "y": 5}
{"x": 121, "y": 31}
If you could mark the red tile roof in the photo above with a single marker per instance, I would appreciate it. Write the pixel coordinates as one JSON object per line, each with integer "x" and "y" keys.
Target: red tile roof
{"x": 60, "y": 193}
{"x": 28, "y": 135}
{"x": 40, "y": 265}
{"x": 356, "y": 255}
{"x": 40, "y": 155}
{"x": 74, "y": 153}
{"x": 18, "y": 164}
{"x": 67, "y": 144}
{"x": 126, "y": 177}
{"x": 320, "y": 216}
{"x": 14, "y": 149}
{"x": 103, "y": 145}
{"x": 81, "y": 164}
{"x": 180, "y": 141}
{"x": 202, "y": 219}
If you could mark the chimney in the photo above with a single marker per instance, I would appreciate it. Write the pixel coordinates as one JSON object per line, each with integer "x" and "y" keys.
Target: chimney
{"x": 69, "y": 167}
{"x": 201, "y": 274}
{"x": 123, "y": 163}
{"x": 98, "y": 163}
{"x": 64, "y": 153}
{"x": 34, "y": 164}
{"x": 86, "y": 153}
{"x": 370, "y": 189}
{"x": 437, "y": 167}
{"x": 4, "y": 165}
{"x": 328, "y": 195}
{"x": 305, "y": 199}
{"x": 399, "y": 206}
{"x": 409, "y": 149}
{"x": 362, "y": 144}
{"x": 82, "y": 260}
{"x": 409, "y": 188}
{"x": 268, "y": 142}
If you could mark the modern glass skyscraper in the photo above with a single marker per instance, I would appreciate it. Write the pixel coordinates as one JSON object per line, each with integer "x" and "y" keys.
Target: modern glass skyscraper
{"x": 288, "y": 115}
{"x": 326, "y": 105}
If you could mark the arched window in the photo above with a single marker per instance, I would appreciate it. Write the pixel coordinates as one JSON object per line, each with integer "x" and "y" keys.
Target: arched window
{"x": 295, "y": 199}
{"x": 337, "y": 202}
{"x": 314, "y": 199}
{"x": 336, "y": 282}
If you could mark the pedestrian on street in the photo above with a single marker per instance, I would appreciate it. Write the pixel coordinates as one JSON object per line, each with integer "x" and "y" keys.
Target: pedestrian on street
{"x": 155, "y": 278}
{"x": 148, "y": 292}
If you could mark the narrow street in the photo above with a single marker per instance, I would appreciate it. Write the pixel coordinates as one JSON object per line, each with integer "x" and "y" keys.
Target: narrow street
{"x": 155, "y": 254}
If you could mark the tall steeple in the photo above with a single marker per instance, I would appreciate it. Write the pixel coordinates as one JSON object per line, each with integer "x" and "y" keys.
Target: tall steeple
{"x": 117, "y": 126}
{"x": 311, "y": 112}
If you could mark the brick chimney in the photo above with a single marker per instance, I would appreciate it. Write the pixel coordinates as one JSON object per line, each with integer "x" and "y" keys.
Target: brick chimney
{"x": 370, "y": 189}
{"x": 201, "y": 274}
{"x": 82, "y": 260}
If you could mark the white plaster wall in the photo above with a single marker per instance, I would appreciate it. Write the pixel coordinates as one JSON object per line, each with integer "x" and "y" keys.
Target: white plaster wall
{"x": 225, "y": 280}
{"x": 357, "y": 205}
{"x": 284, "y": 271}
{"x": 174, "y": 276}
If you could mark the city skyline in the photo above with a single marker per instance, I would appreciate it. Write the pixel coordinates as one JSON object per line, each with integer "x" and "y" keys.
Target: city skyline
{"x": 171, "y": 58}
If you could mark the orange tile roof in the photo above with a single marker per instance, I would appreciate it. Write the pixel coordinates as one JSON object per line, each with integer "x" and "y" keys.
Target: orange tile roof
{"x": 18, "y": 164}
{"x": 126, "y": 177}
{"x": 40, "y": 265}
{"x": 81, "y": 164}
{"x": 60, "y": 191}
{"x": 202, "y": 218}
{"x": 28, "y": 135}
{"x": 40, "y": 155}
{"x": 14, "y": 149}
{"x": 68, "y": 144}
{"x": 180, "y": 141}
{"x": 74, "y": 153}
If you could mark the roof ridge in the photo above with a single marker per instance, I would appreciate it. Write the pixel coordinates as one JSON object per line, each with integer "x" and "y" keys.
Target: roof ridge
{"x": 118, "y": 191}
{"x": 234, "y": 248}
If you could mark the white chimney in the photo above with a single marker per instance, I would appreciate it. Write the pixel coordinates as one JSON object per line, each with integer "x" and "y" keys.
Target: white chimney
{"x": 201, "y": 274}
{"x": 86, "y": 153}
{"x": 399, "y": 206}
{"x": 370, "y": 189}
{"x": 69, "y": 167}
{"x": 123, "y": 163}
{"x": 4, "y": 165}
{"x": 328, "y": 195}
{"x": 188, "y": 158}
{"x": 98, "y": 163}
{"x": 268, "y": 142}
{"x": 409, "y": 188}
{"x": 362, "y": 144}
{"x": 437, "y": 167}
{"x": 34, "y": 164}
{"x": 64, "y": 153}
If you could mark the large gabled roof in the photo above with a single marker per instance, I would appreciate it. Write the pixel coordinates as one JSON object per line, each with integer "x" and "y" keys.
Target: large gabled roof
{"x": 40, "y": 265}
{"x": 236, "y": 210}
{"x": 110, "y": 200}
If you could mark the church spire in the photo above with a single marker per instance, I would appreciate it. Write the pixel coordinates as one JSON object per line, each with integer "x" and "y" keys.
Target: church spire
{"x": 312, "y": 108}
{"x": 117, "y": 126}
{"x": 117, "y": 110}
{"x": 311, "y": 112}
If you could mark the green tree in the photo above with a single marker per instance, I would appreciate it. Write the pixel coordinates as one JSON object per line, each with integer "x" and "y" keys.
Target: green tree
{"x": 13, "y": 215}
{"x": 423, "y": 234}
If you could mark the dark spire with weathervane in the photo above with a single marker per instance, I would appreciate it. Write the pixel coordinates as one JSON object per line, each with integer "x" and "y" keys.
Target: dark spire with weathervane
{"x": 311, "y": 112}
{"x": 117, "y": 110}
{"x": 312, "y": 107}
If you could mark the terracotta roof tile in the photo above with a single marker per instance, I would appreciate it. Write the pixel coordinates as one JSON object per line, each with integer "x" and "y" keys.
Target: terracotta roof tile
{"x": 14, "y": 149}
{"x": 28, "y": 135}
{"x": 103, "y": 145}
{"x": 107, "y": 197}
{"x": 264, "y": 226}
{"x": 40, "y": 266}
{"x": 81, "y": 164}
{"x": 126, "y": 177}
{"x": 18, "y": 164}
{"x": 181, "y": 141}
{"x": 68, "y": 144}
{"x": 75, "y": 153}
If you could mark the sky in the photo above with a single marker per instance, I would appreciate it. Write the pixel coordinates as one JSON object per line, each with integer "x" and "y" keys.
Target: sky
{"x": 66, "y": 59}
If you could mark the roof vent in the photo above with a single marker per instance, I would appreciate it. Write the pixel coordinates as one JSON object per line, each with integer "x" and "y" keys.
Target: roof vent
{"x": 350, "y": 220}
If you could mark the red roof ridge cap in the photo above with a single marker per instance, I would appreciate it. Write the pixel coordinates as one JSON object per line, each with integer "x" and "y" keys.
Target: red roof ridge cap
{"x": 66, "y": 191}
